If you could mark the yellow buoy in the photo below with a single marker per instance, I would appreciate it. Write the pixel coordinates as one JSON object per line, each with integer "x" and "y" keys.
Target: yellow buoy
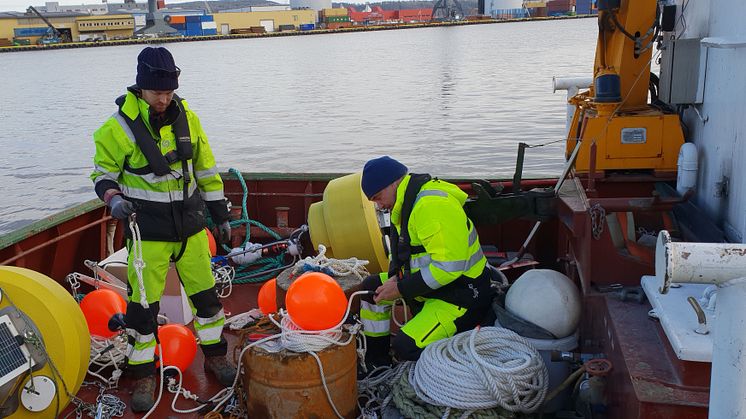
{"x": 36, "y": 309}
{"x": 345, "y": 222}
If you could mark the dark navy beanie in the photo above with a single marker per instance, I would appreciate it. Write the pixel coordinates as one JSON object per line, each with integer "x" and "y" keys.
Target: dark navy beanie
{"x": 156, "y": 70}
{"x": 380, "y": 173}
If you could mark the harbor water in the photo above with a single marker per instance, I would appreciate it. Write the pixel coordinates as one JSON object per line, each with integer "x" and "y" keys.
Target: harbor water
{"x": 451, "y": 101}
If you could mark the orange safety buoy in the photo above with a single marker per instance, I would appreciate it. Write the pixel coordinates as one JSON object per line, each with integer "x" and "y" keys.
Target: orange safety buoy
{"x": 178, "y": 344}
{"x": 211, "y": 243}
{"x": 315, "y": 301}
{"x": 267, "y": 297}
{"x": 99, "y": 307}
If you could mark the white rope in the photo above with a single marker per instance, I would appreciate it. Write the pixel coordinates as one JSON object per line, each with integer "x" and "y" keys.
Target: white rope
{"x": 481, "y": 369}
{"x": 107, "y": 353}
{"x": 223, "y": 279}
{"x": 296, "y": 339}
{"x": 137, "y": 260}
{"x": 240, "y": 320}
{"x": 337, "y": 267}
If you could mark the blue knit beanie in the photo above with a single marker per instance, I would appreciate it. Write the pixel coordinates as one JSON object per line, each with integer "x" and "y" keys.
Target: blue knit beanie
{"x": 380, "y": 173}
{"x": 156, "y": 70}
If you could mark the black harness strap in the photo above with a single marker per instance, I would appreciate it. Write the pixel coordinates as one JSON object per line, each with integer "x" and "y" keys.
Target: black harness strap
{"x": 158, "y": 163}
{"x": 401, "y": 247}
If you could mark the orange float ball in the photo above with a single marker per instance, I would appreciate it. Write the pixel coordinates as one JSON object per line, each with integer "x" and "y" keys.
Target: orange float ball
{"x": 315, "y": 301}
{"x": 99, "y": 307}
{"x": 268, "y": 297}
{"x": 211, "y": 243}
{"x": 178, "y": 345}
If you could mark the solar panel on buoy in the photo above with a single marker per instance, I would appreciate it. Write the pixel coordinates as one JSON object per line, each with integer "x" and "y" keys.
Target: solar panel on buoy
{"x": 14, "y": 357}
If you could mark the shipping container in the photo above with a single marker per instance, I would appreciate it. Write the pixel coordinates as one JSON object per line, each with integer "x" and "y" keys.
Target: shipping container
{"x": 338, "y": 25}
{"x": 208, "y": 18}
{"x": 585, "y": 7}
{"x": 195, "y": 18}
{"x": 307, "y": 27}
{"x": 209, "y": 32}
{"x": 337, "y": 19}
{"x": 334, "y": 12}
{"x": 285, "y": 28}
{"x": 26, "y": 32}
{"x": 193, "y": 29}
{"x": 174, "y": 19}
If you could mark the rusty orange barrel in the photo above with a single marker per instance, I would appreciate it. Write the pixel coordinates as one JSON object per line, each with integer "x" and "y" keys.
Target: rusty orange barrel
{"x": 288, "y": 385}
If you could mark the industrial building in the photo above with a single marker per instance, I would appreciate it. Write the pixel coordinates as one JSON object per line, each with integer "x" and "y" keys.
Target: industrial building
{"x": 55, "y": 23}
{"x": 503, "y": 9}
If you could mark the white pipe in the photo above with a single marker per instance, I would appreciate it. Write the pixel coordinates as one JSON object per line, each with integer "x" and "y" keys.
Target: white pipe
{"x": 724, "y": 265}
{"x": 572, "y": 85}
{"x": 699, "y": 263}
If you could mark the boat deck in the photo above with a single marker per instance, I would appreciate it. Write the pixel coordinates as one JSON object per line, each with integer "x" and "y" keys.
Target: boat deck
{"x": 243, "y": 298}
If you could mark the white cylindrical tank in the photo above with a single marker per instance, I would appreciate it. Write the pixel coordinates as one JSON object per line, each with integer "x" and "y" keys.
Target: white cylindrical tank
{"x": 546, "y": 298}
{"x": 311, "y": 4}
{"x": 686, "y": 178}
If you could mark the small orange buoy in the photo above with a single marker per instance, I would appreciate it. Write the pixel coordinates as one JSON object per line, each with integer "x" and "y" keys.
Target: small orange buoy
{"x": 178, "y": 344}
{"x": 211, "y": 243}
{"x": 99, "y": 307}
{"x": 315, "y": 301}
{"x": 267, "y": 297}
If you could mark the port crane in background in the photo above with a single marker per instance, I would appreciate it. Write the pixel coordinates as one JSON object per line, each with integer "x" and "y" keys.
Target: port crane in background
{"x": 447, "y": 10}
{"x": 53, "y": 36}
{"x": 155, "y": 25}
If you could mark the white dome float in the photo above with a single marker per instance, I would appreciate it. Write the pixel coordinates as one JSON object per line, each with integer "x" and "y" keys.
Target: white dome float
{"x": 546, "y": 298}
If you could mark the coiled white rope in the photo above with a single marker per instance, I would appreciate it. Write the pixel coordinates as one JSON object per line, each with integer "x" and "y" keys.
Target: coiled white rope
{"x": 481, "y": 369}
{"x": 107, "y": 353}
{"x": 223, "y": 279}
{"x": 335, "y": 267}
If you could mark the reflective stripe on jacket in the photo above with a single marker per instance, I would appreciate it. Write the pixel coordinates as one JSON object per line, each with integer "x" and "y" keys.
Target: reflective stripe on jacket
{"x": 453, "y": 255}
{"x": 162, "y": 208}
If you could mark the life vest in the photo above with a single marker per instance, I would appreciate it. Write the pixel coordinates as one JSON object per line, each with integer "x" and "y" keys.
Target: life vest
{"x": 188, "y": 215}
{"x": 463, "y": 291}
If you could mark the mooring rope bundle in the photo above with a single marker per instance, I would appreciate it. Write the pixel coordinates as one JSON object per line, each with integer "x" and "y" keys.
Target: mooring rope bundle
{"x": 331, "y": 266}
{"x": 481, "y": 369}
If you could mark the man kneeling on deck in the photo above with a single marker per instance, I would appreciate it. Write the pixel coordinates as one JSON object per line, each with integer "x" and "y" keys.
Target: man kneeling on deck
{"x": 436, "y": 264}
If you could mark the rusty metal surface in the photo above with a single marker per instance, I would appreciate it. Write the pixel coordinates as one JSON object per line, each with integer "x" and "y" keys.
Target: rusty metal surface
{"x": 647, "y": 381}
{"x": 288, "y": 385}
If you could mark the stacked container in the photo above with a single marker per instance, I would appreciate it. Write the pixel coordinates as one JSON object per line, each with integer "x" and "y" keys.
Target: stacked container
{"x": 209, "y": 27}
{"x": 194, "y": 25}
{"x": 560, "y": 7}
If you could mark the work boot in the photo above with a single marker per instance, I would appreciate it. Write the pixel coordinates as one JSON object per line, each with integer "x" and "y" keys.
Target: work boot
{"x": 221, "y": 369}
{"x": 143, "y": 397}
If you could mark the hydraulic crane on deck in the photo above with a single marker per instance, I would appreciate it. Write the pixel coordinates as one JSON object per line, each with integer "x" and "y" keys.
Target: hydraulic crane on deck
{"x": 617, "y": 127}
{"x": 53, "y": 35}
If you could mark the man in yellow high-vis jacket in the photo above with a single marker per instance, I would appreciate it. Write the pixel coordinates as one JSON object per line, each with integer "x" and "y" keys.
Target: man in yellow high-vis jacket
{"x": 153, "y": 159}
{"x": 436, "y": 263}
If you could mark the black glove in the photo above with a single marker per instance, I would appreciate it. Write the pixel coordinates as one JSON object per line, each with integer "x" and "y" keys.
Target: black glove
{"x": 120, "y": 207}
{"x": 224, "y": 232}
